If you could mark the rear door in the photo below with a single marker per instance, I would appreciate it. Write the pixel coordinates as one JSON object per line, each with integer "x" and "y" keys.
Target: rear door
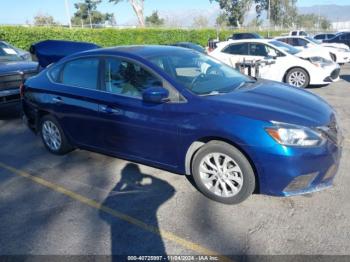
{"x": 76, "y": 104}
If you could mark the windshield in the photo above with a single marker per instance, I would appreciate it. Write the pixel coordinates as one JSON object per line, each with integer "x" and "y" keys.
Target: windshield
{"x": 7, "y": 53}
{"x": 313, "y": 40}
{"x": 200, "y": 73}
{"x": 285, "y": 47}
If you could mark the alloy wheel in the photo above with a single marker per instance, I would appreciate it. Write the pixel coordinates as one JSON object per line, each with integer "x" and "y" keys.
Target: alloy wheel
{"x": 51, "y": 135}
{"x": 221, "y": 175}
{"x": 297, "y": 78}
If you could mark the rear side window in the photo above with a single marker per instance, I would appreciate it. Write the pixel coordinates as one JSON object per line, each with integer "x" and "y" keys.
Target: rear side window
{"x": 237, "y": 49}
{"x": 81, "y": 73}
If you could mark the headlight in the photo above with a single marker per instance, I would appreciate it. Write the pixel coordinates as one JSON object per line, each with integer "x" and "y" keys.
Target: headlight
{"x": 319, "y": 61}
{"x": 293, "y": 135}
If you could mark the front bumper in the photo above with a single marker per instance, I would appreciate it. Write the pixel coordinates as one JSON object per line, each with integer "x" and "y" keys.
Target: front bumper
{"x": 279, "y": 172}
{"x": 325, "y": 75}
{"x": 343, "y": 57}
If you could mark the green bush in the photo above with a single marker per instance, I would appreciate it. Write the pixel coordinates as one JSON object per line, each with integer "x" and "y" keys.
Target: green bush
{"x": 23, "y": 37}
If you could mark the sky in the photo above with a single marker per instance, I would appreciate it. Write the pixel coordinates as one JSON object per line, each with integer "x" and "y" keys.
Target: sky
{"x": 20, "y": 11}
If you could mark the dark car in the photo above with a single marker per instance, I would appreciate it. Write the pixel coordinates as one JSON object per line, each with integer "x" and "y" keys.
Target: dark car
{"x": 239, "y": 36}
{"x": 190, "y": 45}
{"x": 324, "y": 36}
{"x": 182, "y": 111}
{"x": 341, "y": 38}
{"x": 14, "y": 69}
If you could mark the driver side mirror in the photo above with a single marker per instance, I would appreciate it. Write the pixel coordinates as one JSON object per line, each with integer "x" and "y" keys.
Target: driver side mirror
{"x": 155, "y": 94}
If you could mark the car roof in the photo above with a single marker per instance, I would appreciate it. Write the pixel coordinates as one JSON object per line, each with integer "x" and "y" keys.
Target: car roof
{"x": 143, "y": 51}
{"x": 256, "y": 40}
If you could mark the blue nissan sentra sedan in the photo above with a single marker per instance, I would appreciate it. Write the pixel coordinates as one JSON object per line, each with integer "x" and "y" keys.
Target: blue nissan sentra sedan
{"x": 182, "y": 111}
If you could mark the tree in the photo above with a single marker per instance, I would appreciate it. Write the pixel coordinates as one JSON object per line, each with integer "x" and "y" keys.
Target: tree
{"x": 154, "y": 19}
{"x": 200, "y": 21}
{"x": 44, "y": 20}
{"x": 138, "y": 6}
{"x": 221, "y": 20}
{"x": 87, "y": 14}
{"x": 282, "y": 12}
{"x": 235, "y": 10}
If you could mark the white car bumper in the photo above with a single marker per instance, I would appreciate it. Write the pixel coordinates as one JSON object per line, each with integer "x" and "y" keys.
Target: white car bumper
{"x": 325, "y": 75}
{"x": 343, "y": 57}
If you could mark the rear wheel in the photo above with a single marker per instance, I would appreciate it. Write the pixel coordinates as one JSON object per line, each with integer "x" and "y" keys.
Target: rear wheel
{"x": 53, "y": 137}
{"x": 298, "y": 77}
{"x": 223, "y": 173}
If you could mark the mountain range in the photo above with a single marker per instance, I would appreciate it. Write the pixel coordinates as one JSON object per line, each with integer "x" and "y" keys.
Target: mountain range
{"x": 334, "y": 13}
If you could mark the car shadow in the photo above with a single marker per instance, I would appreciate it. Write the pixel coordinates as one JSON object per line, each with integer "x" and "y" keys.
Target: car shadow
{"x": 9, "y": 112}
{"x": 138, "y": 196}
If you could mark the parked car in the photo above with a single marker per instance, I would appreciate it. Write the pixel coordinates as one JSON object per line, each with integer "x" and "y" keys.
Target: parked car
{"x": 298, "y": 33}
{"x": 146, "y": 104}
{"x": 25, "y": 55}
{"x": 338, "y": 55}
{"x": 190, "y": 45}
{"x": 324, "y": 36}
{"x": 293, "y": 66}
{"x": 239, "y": 36}
{"x": 340, "y": 38}
{"x": 14, "y": 68}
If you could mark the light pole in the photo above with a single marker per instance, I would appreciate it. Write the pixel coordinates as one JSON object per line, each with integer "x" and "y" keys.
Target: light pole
{"x": 269, "y": 17}
{"x": 68, "y": 13}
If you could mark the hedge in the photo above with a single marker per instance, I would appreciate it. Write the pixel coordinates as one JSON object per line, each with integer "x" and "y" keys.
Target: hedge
{"x": 23, "y": 37}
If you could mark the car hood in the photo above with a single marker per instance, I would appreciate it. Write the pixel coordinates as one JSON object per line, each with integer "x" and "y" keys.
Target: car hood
{"x": 273, "y": 101}
{"x": 336, "y": 45}
{"x": 313, "y": 52}
{"x": 15, "y": 66}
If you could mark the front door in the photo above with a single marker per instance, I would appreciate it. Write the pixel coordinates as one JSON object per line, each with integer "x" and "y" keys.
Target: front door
{"x": 131, "y": 127}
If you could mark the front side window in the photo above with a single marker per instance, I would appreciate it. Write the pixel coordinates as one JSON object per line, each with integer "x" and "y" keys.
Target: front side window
{"x": 127, "y": 78}
{"x": 257, "y": 49}
{"x": 237, "y": 49}
{"x": 81, "y": 73}
{"x": 301, "y": 42}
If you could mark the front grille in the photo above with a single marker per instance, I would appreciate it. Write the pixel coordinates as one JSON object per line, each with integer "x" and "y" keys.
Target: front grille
{"x": 14, "y": 80}
{"x": 335, "y": 74}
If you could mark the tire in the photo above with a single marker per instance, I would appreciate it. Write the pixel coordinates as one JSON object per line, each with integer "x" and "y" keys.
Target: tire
{"x": 298, "y": 77}
{"x": 240, "y": 177}
{"x": 333, "y": 57}
{"x": 53, "y": 136}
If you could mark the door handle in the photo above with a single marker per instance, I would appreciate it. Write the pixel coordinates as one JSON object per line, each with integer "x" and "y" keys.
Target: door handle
{"x": 57, "y": 100}
{"x": 109, "y": 110}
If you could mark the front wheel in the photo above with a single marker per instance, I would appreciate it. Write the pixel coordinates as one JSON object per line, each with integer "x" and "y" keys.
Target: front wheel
{"x": 298, "y": 77}
{"x": 53, "y": 137}
{"x": 223, "y": 173}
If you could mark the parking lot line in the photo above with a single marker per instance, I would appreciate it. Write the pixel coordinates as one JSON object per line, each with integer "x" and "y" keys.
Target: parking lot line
{"x": 92, "y": 203}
